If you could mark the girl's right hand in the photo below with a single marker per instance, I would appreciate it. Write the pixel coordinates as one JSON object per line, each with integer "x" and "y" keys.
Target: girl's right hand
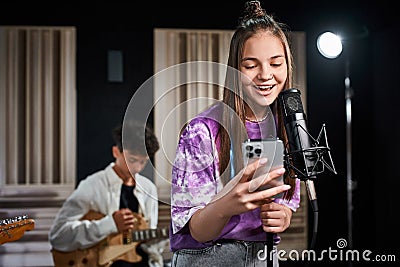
{"x": 234, "y": 198}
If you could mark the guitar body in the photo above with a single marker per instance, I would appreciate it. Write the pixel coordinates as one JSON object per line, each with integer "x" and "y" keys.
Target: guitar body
{"x": 79, "y": 257}
{"x": 114, "y": 247}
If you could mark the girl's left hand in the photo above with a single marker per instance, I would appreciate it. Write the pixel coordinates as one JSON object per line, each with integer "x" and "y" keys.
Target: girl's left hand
{"x": 275, "y": 217}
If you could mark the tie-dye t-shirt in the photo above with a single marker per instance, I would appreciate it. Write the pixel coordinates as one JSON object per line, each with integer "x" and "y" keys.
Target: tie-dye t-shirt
{"x": 195, "y": 181}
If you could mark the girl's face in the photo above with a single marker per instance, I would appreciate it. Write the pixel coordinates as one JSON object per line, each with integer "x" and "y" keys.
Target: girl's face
{"x": 264, "y": 70}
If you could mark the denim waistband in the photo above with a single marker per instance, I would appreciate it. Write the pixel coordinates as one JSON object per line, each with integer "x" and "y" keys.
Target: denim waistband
{"x": 227, "y": 252}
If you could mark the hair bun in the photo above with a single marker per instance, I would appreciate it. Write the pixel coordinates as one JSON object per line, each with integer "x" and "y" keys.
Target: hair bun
{"x": 253, "y": 9}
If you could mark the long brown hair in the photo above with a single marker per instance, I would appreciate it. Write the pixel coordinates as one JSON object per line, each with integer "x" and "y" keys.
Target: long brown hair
{"x": 254, "y": 20}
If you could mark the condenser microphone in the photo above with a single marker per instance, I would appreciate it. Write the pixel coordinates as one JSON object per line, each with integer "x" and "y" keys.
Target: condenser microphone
{"x": 305, "y": 156}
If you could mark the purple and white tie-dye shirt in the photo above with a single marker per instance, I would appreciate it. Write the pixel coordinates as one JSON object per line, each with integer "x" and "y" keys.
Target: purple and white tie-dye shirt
{"x": 195, "y": 181}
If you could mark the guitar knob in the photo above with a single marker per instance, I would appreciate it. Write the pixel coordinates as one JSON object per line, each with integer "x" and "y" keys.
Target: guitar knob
{"x": 71, "y": 263}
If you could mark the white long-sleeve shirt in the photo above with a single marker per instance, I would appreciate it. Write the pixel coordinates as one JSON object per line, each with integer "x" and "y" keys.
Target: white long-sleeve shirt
{"x": 99, "y": 192}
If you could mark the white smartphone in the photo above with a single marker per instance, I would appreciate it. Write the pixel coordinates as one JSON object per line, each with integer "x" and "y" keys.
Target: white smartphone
{"x": 272, "y": 149}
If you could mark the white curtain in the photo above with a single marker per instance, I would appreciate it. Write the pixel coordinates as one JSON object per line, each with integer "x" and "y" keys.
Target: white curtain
{"x": 37, "y": 107}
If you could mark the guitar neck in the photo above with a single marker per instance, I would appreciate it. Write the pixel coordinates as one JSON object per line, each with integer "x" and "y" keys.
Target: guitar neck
{"x": 16, "y": 219}
{"x": 13, "y": 229}
{"x": 148, "y": 234}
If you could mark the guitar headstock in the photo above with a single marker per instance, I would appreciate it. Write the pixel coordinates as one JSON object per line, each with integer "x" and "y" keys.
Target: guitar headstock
{"x": 13, "y": 229}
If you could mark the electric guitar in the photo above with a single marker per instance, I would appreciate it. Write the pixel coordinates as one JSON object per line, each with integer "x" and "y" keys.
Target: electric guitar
{"x": 12, "y": 229}
{"x": 121, "y": 246}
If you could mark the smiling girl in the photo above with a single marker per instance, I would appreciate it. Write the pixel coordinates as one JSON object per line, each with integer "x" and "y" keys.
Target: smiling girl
{"x": 216, "y": 219}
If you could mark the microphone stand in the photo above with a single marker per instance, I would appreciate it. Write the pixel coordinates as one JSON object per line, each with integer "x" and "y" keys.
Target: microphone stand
{"x": 309, "y": 175}
{"x": 312, "y": 196}
{"x": 270, "y": 247}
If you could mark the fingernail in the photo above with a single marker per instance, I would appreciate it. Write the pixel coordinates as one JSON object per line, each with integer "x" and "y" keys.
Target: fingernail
{"x": 281, "y": 171}
{"x": 263, "y": 160}
{"x": 286, "y": 186}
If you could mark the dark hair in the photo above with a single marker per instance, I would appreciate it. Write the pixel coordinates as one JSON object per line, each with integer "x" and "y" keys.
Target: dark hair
{"x": 138, "y": 138}
{"x": 254, "y": 20}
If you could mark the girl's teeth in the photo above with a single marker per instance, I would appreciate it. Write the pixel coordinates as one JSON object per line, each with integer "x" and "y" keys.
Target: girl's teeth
{"x": 264, "y": 88}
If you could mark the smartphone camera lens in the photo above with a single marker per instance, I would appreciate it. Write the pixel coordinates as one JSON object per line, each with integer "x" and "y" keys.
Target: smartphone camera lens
{"x": 249, "y": 148}
{"x": 258, "y": 151}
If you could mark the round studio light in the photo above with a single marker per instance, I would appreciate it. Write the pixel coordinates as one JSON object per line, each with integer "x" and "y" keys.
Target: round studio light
{"x": 329, "y": 45}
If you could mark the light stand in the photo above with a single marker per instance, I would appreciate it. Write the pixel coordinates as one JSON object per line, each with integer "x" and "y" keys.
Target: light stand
{"x": 350, "y": 184}
{"x": 332, "y": 53}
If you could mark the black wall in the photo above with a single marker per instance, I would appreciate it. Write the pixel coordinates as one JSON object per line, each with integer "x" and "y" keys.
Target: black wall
{"x": 374, "y": 71}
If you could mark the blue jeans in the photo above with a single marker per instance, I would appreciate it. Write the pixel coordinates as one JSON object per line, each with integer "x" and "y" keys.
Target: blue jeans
{"x": 232, "y": 254}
